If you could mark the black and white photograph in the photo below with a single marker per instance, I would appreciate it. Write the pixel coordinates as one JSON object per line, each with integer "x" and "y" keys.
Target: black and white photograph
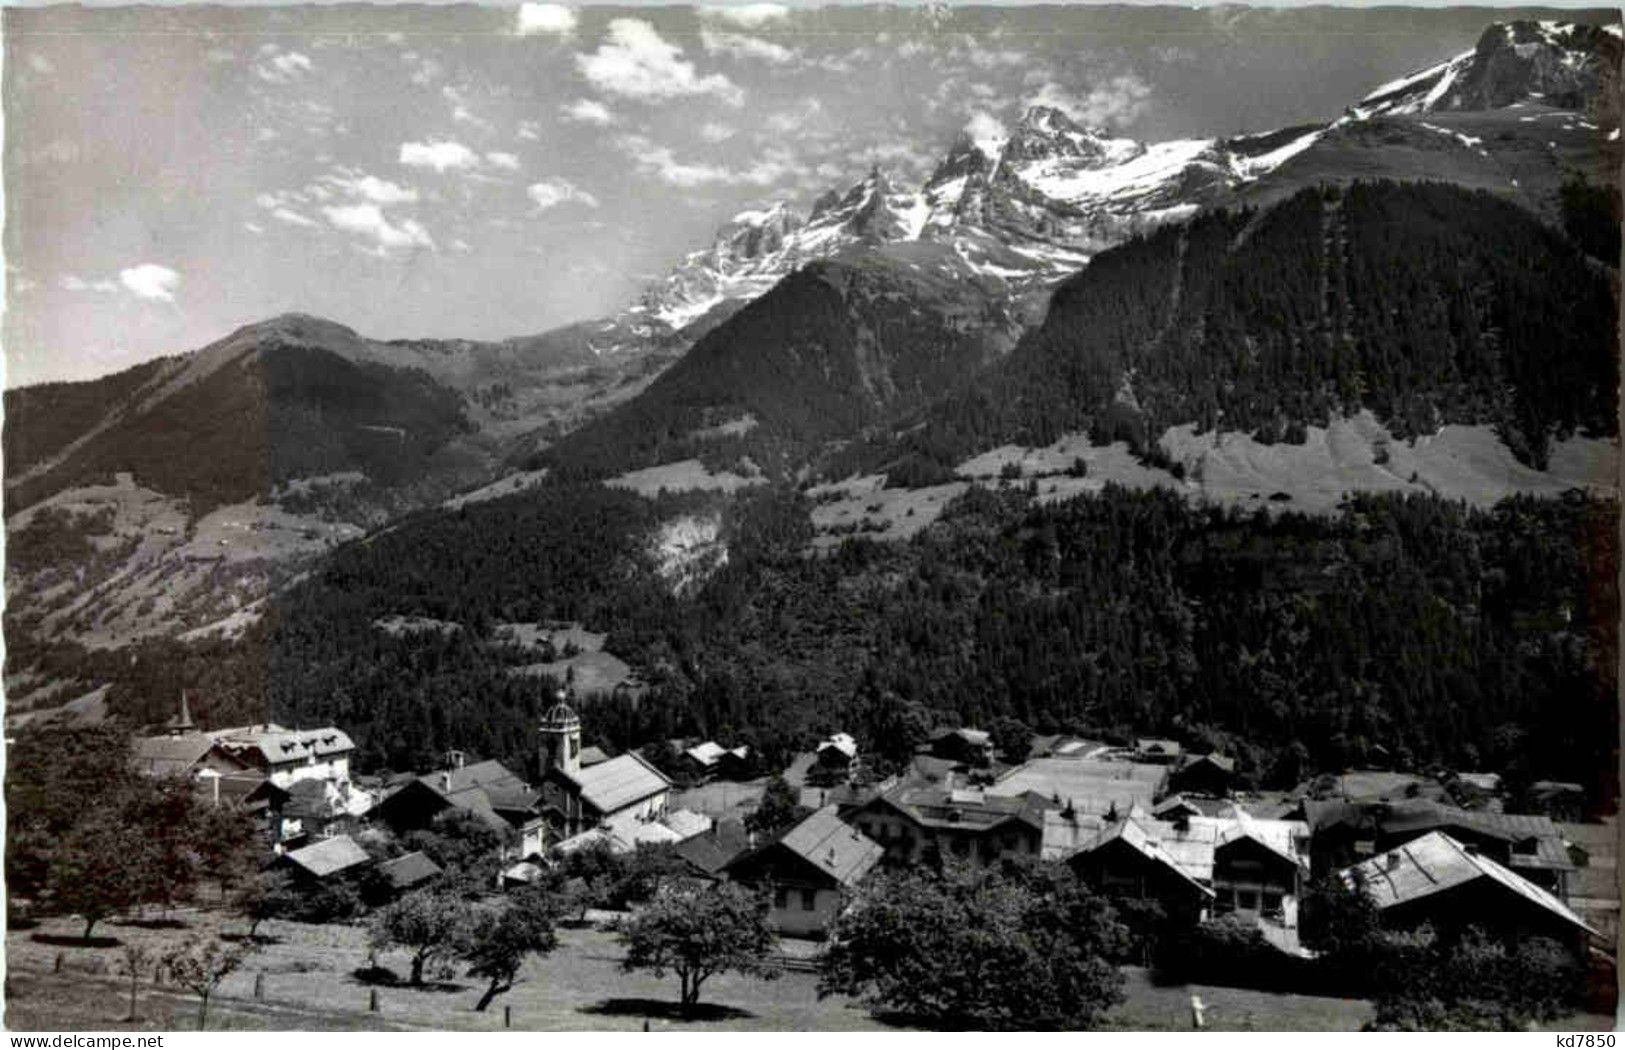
{"x": 903, "y": 518}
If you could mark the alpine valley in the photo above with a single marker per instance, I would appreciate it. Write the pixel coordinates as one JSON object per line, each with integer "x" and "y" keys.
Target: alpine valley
{"x": 1301, "y": 443}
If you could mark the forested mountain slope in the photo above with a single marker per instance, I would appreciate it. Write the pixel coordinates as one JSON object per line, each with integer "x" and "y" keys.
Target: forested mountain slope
{"x": 1424, "y": 303}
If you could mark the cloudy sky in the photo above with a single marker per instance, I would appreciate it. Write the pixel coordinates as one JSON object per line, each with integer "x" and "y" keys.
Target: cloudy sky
{"x": 486, "y": 172}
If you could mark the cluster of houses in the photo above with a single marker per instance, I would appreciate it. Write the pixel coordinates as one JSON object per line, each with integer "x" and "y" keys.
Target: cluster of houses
{"x": 1147, "y": 822}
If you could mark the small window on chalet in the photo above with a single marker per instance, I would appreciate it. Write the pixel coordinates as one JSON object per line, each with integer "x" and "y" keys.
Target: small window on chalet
{"x": 1272, "y": 904}
{"x": 1226, "y": 899}
{"x": 781, "y": 898}
{"x": 1247, "y": 900}
{"x": 809, "y": 900}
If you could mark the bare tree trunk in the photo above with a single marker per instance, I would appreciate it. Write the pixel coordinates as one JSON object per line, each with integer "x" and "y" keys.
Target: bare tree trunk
{"x": 496, "y": 988}
{"x": 134, "y": 981}
{"x": 202, "y": 1011}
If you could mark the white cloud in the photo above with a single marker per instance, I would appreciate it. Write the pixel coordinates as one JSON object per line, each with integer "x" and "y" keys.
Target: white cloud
{"x": 370, "y": 188}
{"x": 40, "y": 64}
{"x": 292, "y": 218}
{"x": 441, "y": 156}
{"x": 586, "y": 111}
{"x": 747, "y": 16}
{"x": 369, "y": 221}
{"x": 556, "y": 19}
{"x": 529, "y": 130}
{"x": 635, "y": 62}
{"x": 1119, "y": 100}
{"x": 711, "y": 131}
{"x": 662, "y": 163}
{"x": 282, "y": 67}
{"x": 985, "y": 130}
{"x": 505, "y": 161}
{"x": 151, "y": 282}
{"x": 550, "y": 193}
{"x": 740, "y": 46}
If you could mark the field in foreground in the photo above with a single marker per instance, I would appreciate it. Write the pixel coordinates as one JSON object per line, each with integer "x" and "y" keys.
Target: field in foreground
{"x": 309, "y": 982}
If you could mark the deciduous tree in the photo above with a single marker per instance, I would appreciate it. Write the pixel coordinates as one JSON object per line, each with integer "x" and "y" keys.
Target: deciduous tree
{"x": 697, "y": 931}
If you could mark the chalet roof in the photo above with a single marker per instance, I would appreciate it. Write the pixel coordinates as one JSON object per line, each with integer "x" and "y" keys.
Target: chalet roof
{"x": 329, "y": 856}
{"x": 833, "y": 846}
{"x": 165, "y": 755}
{"x": 248, "y": 789}
{"x": 1534, "y": 839}
{"x": 591, "y": 755}
{"x": 712, "y": 851}
{"x": 1280, "y": 837}
{"x": 408, "y": 870}
{"x": 1064, "y": 833}
{"x": 1157, "y": 745}
{"x": 706, "y": 754}
{"x": 276, "y": 746}
{"x": 1091, "y": 785}
{"x": 1148, "y": 838}
{"x": 973, "y": 737}
{"x": 965, "y": 810}
{"x": 1212, "y": 758}
{"x": 620, "y": 782}
{"x": 1436, "y": 863}
{"x": 686, "y": 823}
{"x": 841, "y": 742}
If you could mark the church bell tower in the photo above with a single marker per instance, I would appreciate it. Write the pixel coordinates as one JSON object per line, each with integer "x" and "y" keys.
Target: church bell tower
{"x": 560, "y": 733}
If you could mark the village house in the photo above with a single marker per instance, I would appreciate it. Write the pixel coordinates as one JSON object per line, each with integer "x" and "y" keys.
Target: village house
{"x": 487, "y": 790}
{"x": 1438, "y": 880}
{"x": 1157, "y": 751}
{"x": 807, "y": 870}
{"x": 833, "y": 759}
{"x": 327, "y": 859}
{"x": 1248, "y": 867}
{"x": 577, "y": 798}
{"x": 1346, "y": 833}
{"x": 289, "y": 755}
{"x": 708, "y": 853}
{"x": 970, "y": 747}
{"x": 917, "y": 823}
{"x": 1211, "y": 775}
{"x": 700, "y": 761}
{"x": 409, "y": 871}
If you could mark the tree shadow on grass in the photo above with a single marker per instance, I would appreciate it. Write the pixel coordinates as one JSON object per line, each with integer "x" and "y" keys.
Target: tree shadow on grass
{"x": 384, "y": 977}
{"x": 260, "y": 939}
{"x": 664, "y": 1009}
{"x": 61, "y": 940}
{"x": 153, "y": 924}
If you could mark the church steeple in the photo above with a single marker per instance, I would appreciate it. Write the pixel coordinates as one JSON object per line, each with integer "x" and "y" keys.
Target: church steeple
{"x": 182, "y": 722}
{"x": 560, "y": 744}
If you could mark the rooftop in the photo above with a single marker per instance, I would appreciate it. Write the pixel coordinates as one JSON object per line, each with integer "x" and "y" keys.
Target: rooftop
{"x": 832, "y": 845}
{"x": 1435, "y": 863}
{"x": 329, "y": 856}
{"x": 619, "y": 782}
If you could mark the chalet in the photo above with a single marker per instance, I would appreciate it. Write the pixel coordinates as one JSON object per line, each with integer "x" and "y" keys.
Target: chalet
{"x": 289, "y": 755}
{"x": 409, "y": 871}
{"x": 808, "y": 869}
{"x": 183, "y": 754}
{"x": 736, "y": 763}
{"x": 320, "y": 809}
{"x": 327, "y": 859}
{"x": 1558, "y": 799}
{"x": 1140, "y": 859}
{"x": 1250, "y": 867}
{"x": 701, "y": 760}
{"x": 834, "y": 758}
{"x": 578, "y": 798}
{"x": 1438, "y": 880}
{"x": 488, "y": 790}
{"x": 1157, "y": 751}
{"x": 971, "y": 747}
{"x": 1347, "y": 833}
{"x": 915, "y": 823}
{"x": 1212, "y": 775}
{"x": 621, "y": 836}
{"x": 709, "y": 853}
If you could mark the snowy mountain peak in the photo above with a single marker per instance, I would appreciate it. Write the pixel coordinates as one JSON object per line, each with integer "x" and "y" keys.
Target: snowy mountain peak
{"x": 1560, "y": 64}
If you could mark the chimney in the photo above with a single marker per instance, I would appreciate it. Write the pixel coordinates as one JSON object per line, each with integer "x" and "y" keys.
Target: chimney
{"x": 445, "y": 780}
